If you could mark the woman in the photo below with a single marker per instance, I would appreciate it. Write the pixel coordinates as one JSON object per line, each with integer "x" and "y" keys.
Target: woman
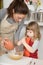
{"x": 12, "y": 23}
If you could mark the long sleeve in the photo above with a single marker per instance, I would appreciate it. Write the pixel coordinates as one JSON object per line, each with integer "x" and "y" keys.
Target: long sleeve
{"x": 35, "y": 45}
{"x": 2, "y": 13}
{"x": 20, "y": 33}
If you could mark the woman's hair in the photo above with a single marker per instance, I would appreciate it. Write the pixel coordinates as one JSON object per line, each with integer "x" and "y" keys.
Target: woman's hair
{"x": 18, "y": 6}
{"x": 35, "y": 28}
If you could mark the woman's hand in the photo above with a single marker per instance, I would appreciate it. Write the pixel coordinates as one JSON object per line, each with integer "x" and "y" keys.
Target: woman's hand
{"x": 8, "y": 44}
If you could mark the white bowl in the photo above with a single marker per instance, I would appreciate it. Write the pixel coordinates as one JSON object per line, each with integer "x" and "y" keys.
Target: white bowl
{"x": 15, "y": 55}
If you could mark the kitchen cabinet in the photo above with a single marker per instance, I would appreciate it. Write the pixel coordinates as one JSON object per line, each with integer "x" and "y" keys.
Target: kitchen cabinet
{"x": 36, "y": 15}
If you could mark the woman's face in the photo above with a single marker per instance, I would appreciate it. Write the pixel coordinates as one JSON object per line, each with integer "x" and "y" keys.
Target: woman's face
{"x": 30, "y": 33}
{"x": 18, "y": 17}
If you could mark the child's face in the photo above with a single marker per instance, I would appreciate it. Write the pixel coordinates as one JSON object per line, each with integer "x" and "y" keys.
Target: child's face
{"x": 30, "y": 33}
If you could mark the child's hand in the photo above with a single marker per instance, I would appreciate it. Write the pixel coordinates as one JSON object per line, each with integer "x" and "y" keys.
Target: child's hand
{"x": 8, "y": 44}
{"x": 19, "y": 43}
{"x": 22, "y": 41}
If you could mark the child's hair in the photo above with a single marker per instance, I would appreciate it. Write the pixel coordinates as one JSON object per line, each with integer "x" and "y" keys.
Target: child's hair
{"x": 35, "y": 27}
{"x": 19, "y": 6}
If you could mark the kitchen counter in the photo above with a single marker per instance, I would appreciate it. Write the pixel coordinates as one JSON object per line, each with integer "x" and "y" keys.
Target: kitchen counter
{"x": 5, "y": 60}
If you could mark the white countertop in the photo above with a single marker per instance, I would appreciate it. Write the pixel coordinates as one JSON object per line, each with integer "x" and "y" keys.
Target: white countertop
{"x": 5, "y": 60}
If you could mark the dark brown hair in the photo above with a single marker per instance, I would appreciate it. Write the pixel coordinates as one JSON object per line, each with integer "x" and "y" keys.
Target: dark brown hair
{"x": 18, "y": 6}
{"x": 35, "y": 28}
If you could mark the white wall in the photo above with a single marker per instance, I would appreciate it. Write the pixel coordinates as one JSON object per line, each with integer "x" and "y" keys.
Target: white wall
{"x": 42, "y": 1}
{"x": 41, "y": 44}
{"x": 6, "y": 3}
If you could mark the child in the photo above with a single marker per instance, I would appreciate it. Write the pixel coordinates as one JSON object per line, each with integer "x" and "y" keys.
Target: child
{"x": 31, "y": 40}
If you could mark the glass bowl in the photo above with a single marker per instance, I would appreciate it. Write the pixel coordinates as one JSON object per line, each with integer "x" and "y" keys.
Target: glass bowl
{"x": 15, "y": 55}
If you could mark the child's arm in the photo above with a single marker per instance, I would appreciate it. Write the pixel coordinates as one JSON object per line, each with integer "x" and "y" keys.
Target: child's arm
{"x": 29, "y": 48}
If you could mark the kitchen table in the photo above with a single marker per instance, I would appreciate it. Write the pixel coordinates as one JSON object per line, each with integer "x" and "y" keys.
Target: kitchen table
{"x": 5, "y": 60}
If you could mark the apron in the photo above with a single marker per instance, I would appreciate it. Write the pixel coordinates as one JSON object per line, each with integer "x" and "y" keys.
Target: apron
{"x": 7, "y": 29}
